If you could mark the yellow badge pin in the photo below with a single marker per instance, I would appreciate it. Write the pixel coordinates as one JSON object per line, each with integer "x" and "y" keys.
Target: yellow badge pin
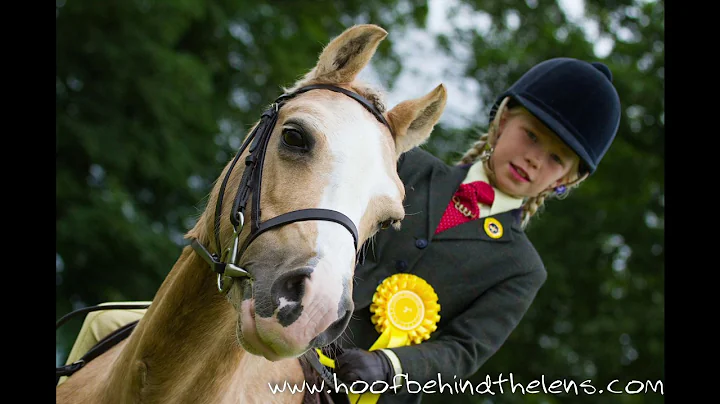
{"x": 493, "y": 228}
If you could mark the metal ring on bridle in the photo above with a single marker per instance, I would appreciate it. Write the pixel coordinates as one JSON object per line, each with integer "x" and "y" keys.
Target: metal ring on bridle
{"x": 240, "y": 217}
{"x": 230, "y": 256}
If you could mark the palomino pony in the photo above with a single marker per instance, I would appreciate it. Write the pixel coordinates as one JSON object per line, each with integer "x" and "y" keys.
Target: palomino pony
{"x": 327, "y": 160}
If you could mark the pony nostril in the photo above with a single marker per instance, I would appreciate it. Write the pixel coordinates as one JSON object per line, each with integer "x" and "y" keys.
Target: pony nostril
{"x": 287, "y": 292}
{"x": 290, "y": 286}
{"x": 294, "y": 288}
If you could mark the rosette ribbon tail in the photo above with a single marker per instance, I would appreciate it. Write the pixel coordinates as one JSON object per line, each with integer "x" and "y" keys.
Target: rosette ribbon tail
{"x": 405, "y": 312}
{"x": 391, "y": 338}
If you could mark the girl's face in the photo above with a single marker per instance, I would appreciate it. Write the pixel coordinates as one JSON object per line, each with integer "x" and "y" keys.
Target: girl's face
{"x": 528, "y": 157}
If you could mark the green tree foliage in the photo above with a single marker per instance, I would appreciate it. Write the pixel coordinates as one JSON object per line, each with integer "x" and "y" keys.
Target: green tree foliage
{"x": 153, "y": 98}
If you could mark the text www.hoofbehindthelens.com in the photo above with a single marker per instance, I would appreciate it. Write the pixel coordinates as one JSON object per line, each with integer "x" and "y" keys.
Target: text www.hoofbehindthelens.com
{"x": 503, "y": 385}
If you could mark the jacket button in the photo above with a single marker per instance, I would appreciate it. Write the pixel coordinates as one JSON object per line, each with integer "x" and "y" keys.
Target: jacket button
{"x": 421, "y": 243}
{"x": 401, "y": 265}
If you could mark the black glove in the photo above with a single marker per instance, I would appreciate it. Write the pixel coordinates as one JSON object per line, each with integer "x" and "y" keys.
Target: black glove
{"x": 355, "y": 364}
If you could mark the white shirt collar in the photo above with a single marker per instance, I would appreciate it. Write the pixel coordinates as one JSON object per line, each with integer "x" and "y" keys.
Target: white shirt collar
{"x": 503, "y": 202}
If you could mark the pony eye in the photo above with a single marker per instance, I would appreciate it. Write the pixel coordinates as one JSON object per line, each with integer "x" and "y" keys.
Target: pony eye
{"x": 293, "y": 138}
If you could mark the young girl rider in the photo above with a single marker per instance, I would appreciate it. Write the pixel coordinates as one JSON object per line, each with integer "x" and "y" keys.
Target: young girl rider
{"x": 462, "y": 247}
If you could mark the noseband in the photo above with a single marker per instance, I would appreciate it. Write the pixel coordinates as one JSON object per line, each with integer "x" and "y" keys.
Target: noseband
{"x": 226, "y": 266}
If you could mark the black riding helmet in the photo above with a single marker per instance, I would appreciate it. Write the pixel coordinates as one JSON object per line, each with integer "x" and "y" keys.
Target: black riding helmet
{"x": 573, "y": 98}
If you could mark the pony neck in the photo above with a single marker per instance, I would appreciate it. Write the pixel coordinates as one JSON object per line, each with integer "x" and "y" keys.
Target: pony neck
{"x": 185, "y": 345}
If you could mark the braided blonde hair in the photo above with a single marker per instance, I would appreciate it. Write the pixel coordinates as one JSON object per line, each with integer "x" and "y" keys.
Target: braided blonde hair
{"x": 482, "y": 149}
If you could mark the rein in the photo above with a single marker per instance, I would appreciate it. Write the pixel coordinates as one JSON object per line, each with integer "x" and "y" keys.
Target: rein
{"x": 123, "y": 332}
{"x": 103, "y": 345}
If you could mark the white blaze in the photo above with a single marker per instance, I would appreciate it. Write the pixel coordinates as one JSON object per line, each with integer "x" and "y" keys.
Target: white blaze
{"x": 358, "y": 174}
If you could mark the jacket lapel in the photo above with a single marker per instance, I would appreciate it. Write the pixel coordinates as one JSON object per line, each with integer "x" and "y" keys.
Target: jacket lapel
{"x": 443, "y": 184}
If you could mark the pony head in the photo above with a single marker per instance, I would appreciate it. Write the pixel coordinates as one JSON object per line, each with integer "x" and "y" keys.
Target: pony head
{"x": 326, "y": 151}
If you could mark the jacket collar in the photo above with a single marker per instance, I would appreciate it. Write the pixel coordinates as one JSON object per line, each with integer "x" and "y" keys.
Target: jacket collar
{"x": 443, "y": 184}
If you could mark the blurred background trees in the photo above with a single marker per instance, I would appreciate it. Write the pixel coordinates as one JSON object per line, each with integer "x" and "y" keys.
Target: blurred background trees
{"x": 152, "y": 99}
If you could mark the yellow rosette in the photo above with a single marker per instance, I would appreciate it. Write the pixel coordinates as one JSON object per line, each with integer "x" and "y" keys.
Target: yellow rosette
{"x": 405, "y": 312}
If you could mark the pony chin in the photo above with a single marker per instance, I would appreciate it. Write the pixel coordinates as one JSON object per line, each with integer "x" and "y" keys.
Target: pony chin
{"x": 249, "y": 337}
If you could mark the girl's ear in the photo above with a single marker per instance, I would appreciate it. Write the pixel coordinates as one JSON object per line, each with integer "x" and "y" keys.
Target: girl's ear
{"x": 561, "y": 181}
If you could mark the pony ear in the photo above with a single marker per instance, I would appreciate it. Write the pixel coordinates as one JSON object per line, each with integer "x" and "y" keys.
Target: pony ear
{"x": 413, "y": 120}
{"x": 346, "y": 55}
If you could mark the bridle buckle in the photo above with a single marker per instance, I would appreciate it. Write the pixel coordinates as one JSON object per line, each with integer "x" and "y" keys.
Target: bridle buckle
{"x": 232, "y": 270}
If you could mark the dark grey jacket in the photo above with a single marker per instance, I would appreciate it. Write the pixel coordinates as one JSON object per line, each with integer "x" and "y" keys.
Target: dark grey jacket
{"x": 484, "y": 285}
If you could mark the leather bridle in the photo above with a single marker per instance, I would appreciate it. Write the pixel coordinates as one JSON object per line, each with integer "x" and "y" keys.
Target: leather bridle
{"x": 226, "y": 266}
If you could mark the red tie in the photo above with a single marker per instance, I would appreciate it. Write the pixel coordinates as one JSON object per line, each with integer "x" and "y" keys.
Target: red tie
{"x": 466, "y": 200}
